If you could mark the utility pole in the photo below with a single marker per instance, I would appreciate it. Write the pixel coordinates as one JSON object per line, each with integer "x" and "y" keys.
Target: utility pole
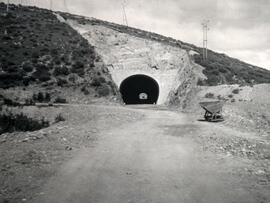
{"x": 205, "y": 38}
{"x": 125, "y": 21}
{"x": 65, "y": 5}
{"x": 51, "y": 4}
{"x": 7, "y": 6}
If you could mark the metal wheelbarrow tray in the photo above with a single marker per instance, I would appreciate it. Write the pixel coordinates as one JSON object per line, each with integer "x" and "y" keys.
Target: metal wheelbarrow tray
{"x": 213, "y": 110}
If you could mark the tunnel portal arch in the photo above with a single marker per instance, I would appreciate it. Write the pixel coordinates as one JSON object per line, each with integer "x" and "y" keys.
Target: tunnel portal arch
{"x": 139, "y": 89}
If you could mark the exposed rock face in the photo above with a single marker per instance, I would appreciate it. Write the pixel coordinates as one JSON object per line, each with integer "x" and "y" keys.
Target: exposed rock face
{"x": 127, "y": 55}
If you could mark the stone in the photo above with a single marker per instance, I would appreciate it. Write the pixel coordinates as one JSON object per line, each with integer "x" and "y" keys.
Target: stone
{"x": 25, "y": 139}
{"x": 260, "y": 172}
{"x": 68, "y": 148}
{"x": 3, "y": 140}
{"x": 64, "y": 139}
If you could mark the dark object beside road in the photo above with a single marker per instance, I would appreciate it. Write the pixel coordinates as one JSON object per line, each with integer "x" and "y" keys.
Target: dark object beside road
{"x": 213, "y": 111}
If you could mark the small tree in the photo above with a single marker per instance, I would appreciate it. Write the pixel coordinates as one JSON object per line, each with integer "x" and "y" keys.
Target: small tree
{"x": 40, "y": 97}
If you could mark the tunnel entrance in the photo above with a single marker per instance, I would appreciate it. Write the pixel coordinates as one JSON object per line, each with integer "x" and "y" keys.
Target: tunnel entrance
{"x": 139, "y": 89}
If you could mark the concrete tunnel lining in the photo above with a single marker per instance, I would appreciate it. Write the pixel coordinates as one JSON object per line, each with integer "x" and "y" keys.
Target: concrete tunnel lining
{"x": 139, "y": 89}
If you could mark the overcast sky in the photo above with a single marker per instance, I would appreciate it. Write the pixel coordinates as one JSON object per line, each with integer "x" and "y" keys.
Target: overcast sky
{"x": 239, "y": 28}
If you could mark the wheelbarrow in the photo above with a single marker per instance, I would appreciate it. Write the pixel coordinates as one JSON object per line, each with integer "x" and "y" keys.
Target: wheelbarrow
{"x": 213, "y": 111}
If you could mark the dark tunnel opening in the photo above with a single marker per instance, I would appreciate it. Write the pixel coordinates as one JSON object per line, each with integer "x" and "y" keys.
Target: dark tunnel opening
{"x": 139, "y": 89}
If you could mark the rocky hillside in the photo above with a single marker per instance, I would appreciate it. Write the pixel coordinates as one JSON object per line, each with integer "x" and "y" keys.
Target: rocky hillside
{"x": 36, "y": 48}
{"x": 219, "y": 68}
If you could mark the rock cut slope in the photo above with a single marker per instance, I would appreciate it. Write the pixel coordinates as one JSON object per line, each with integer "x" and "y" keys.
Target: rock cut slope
{"x": 219, "y": 68}
{"x": 127, "y": 55}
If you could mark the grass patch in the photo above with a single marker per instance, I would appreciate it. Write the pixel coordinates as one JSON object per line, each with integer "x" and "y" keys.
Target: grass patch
{"x": 236, "y": 91}
{"x": 10, "y": 122}
{"x": 209, "y": 95}
{"x": 60, "y": 100}
{"x": 59, "y": 118}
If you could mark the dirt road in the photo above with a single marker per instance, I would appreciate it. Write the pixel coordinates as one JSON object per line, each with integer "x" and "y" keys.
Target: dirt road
{"x": 155, "y": 159}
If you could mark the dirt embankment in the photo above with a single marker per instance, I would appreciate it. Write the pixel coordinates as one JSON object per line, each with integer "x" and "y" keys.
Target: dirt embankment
{"x": 245, "y": 107}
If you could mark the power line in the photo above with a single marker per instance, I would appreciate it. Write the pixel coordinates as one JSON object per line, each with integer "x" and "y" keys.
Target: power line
{"x": 205, "y": 38}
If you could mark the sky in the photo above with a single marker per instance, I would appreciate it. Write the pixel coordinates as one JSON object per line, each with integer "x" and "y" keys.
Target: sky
{"x": 238, "y": 28}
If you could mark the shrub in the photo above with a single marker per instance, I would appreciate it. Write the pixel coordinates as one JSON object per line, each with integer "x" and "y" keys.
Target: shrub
{"x": 59, "y": 118}
{"x": 54, "y": 52}
{"x": 209, "y": 95}
{"x": 98, "y": 81}
{"x": 78, "y": 65}
{"x": 10, "y": 122}
{"x": 57, "y": 62}
{"x": 27, "y": 80}
{"x": 35, "y": 55}
{"x": 29, "y": 102}
{"x": 60, "y": 100}
{"x": 10, "y": 80}
{"x": 27, "y": 67}
{"x": 42, "y": 76}
{"x": 201, "y": 82}
{"x": 12, "y": 69}
{"x": 235, "y": 91}
{"x": 230, "y": 96}
{"x": 61, "y": 82}
{"x": 103, "y": 91}
{"x": 215, "y": 72}
{"x": 85, "y": 90}
{"x": 10, "y": 102}
{"x": 41, "y": 97}
{"x": 220, "y": 97}
{"x": 95, "y": 82}
{"x": 60, "y": 71}
{"x": 223, "y": 70}
{"x": 79, "y": 71}
{"x": 47, "y": 97}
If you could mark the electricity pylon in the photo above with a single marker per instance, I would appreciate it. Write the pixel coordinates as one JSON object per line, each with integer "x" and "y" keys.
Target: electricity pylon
{"x": 51, "y": 4}
{"x": 7, "y": 6}
{"x": 65, "y": 5}
{"x": 125, "y": 21}
{"x": 205, "y": 38}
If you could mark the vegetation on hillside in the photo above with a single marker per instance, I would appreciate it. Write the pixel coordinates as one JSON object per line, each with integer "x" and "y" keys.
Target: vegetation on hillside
{"x": 221, "y": 69}
{"x": 36, "y": 48}
{"x": 10, "y": 122}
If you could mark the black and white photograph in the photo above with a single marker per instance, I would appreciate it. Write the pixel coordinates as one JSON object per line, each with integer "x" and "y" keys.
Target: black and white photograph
{"x": 134, "y": 101}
